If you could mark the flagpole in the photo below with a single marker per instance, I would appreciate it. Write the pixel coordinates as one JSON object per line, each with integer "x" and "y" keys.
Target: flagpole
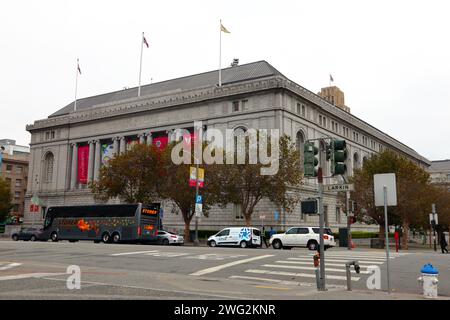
{"x": 76, "y": 86}
{"x": 140, "y": 65}
{"x": 220, "y": 53}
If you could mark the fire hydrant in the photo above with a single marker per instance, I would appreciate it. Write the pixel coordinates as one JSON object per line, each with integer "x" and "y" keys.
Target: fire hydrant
{"x": 429, "y": 279}
{"x": 316, "y": 259}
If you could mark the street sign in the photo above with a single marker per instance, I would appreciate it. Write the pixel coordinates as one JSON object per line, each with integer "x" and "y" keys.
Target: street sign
{"x": 199, "y": 199}
{"x": 385, "y": 180}
{"x": 198, "y": 209}
{"x": 434, "y": 216}
{"x": 339, "y": 187}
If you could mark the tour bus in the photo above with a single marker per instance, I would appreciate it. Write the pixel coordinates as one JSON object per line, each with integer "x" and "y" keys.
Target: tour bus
{"x": 107, "y": 223}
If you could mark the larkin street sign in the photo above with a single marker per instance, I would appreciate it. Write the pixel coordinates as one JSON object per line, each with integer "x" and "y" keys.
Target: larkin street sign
{"x": 339, "y": 187}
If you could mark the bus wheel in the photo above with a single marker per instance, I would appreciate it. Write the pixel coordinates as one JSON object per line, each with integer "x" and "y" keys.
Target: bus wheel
{"x": 54, "y": 237}
{"x": 116, "y": 237}
{"x": 105, "y": 237}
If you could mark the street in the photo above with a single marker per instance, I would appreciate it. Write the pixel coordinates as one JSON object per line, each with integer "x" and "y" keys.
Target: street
{"x": 38, "y": 270}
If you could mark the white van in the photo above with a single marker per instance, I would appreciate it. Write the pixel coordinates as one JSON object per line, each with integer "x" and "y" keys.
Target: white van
{"x": 236, "y": 236}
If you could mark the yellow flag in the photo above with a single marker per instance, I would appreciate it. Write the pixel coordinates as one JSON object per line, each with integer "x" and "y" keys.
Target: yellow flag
{"x": 223, "y": 29}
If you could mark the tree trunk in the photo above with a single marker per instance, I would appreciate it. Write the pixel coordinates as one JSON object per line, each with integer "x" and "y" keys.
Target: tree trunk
{"x": 382, "y": 235}
{"x": 405, "y": 237}
{"x": 186, "y": 230}
{"x": 248, "y": 220}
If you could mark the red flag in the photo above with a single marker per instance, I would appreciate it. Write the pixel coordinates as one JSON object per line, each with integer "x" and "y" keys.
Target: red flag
{"x": 145, "y": 40}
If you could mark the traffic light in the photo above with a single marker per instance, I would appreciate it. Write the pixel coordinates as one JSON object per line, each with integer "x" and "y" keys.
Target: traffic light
{"x": 310, "y": 160}
{"x": 339, "y": 157}
{"x": 329, "y": 151}
{"x": 309, "y": 206}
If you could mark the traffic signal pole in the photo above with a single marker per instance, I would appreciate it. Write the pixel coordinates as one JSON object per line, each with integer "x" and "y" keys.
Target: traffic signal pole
{"x": 321, "y": 286}
{"x": 349, "y": 225}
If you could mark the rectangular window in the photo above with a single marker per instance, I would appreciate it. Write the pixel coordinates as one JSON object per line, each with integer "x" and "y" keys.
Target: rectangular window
{"x": 18, "y": 183}
{"x": 52, "y": 135}
{"x": 19, "y": 169}
{"x": 9, "y": 168}
{"x": 338, "y": 215}
{"x": 17, "y": 195}
{"x": 47, "y": 135}
{"x": 320, "y": 120}
{"x": 244, "y": 104}
{"x": 303, "y": 111}
{"x": 235, "y": 106}
{"x": 237, "y": 211}
{"x": 298, "y": 107}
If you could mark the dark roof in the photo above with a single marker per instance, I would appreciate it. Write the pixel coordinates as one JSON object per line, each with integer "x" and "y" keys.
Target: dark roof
{"x": 439, "y": 165}
{"x": 254, "y": 70}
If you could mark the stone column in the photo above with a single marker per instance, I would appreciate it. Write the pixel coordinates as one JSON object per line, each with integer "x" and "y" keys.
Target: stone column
{"x": 74, "y": 173}
{"x": 91, "y": 161}
{"x": 149, "y": 138}
{"x": 97, "y": 160}
{"x": 122, "y": 144}
{"x": 142, "y": 138}
{"x": 116, "y": 145}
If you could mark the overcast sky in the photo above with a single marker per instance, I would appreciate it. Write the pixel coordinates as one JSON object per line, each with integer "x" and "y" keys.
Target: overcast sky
{"x": 391, "y": 58}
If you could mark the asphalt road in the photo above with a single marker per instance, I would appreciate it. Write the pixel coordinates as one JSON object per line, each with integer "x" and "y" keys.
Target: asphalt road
{"x": 38, "y": 270}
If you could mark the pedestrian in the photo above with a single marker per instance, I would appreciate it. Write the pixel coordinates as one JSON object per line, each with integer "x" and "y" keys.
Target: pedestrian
{"x": 443, "y": 243}
{"x": 272, "y": 232}
{"x": 263, "y": 235}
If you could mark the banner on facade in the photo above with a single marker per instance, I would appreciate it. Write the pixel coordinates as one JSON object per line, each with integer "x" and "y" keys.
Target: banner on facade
{"x": 107, "y": 152}
{"x": 193, "y": 177}
{"x": 161, "y": 142}
{"x": 83, "y": 163}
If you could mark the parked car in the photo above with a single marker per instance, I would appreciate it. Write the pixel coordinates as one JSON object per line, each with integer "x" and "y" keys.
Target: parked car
{"x": 166, "y": 238}
{"x": 302, "y": 237}
{"x": 240, "y": 236}
{"x": 31, "y": 234}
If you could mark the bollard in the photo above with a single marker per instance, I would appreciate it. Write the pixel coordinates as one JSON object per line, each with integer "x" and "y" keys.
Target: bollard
{"x": 429, "y": 280}
{"x": 348, "y": 264}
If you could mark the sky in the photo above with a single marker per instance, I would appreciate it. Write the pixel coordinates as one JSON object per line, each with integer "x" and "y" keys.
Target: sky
{"x": 391, "y": 58}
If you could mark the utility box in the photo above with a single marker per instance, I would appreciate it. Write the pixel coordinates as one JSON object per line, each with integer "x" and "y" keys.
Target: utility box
{"x": 343, "y": 237}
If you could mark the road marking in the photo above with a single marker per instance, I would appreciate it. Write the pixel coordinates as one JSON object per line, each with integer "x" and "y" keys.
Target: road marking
{"x": 293, "y": 274}
{"x": 29, "y": 275}
{"x": 284, "y": 282}
{"x": 135, "y": 252}
{"x": 354, "y": 257}
{"x": 339, "y": 260}
{"x": 274, "y": 288}
{"x": 166, "y": 254}
{"x": 309, "y": 268}
{"x": 215, "y": 256}
{"x": 327, "y": 264}
{"x": 227, "y": 265}
{"x": 9, "y": 266}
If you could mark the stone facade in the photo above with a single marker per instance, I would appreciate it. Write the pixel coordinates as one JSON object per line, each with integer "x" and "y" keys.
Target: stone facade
{"x": 440, "y": 172}
{"x": 270, "y": 102}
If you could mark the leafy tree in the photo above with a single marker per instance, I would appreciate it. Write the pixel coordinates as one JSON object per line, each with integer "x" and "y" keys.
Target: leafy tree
{"x": 5, "y": 199}
{"x": 244, "y": 184}
{"x": 414, "y": 192}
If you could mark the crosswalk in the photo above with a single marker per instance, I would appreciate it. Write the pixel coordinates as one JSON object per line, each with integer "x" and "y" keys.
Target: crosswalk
{"x": 299, "y": 269}
{"x": 183, "y": 255}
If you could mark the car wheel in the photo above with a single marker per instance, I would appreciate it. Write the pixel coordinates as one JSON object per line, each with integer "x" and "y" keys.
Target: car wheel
{"x": 165, "y": 242}
{"x": 54, "y": 237}
{"x": 212, "y": 243}
{"x": 15, "y": 237}
{"x": 116, "y": 237}
{"x": 105, "y": 237}
{"x": 312, "y": 245}
{"x": 33, "y": 238}
{"x": 276, "y": 244}
{"x": 243, "y": 244}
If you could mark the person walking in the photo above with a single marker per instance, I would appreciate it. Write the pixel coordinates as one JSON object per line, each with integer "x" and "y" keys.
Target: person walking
{"x": 263, "y": 235}
{"x": 443, "y": 243}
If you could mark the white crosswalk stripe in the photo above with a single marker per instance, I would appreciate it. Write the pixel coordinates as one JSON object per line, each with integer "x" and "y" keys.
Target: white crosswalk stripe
{"x": 299, "y": 269}
{"x": 183, "y": 255}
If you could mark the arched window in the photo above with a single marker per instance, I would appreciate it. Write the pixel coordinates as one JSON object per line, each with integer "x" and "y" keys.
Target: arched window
{"x": 300, "y": 145}
{"x": 356, "y": 161}
{"x": 49, "y": 160}
{"x": 364, "y": 159}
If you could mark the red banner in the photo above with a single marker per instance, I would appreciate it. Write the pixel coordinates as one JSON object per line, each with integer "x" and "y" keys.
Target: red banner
{"x": 83, "y": 163}
{"x": 161, "y": 142}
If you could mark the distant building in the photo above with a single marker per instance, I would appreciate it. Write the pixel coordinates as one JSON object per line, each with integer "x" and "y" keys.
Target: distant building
{"x": 440, "y": 172}
{"x": 335, "y": 96}
{"x": 14, "y": 168}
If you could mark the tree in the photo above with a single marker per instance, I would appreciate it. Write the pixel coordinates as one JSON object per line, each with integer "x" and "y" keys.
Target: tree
{"x": 414, "y": 193}
{"x": 5, "y": 199}
{"x": 244, "y": 184}
{"x": 131, "y": 176}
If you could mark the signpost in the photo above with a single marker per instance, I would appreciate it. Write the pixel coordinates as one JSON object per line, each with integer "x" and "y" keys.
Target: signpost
{"x": 434, "y": 222}
{"x": 385, "y": 191}
{"x": 197, "y": 178}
